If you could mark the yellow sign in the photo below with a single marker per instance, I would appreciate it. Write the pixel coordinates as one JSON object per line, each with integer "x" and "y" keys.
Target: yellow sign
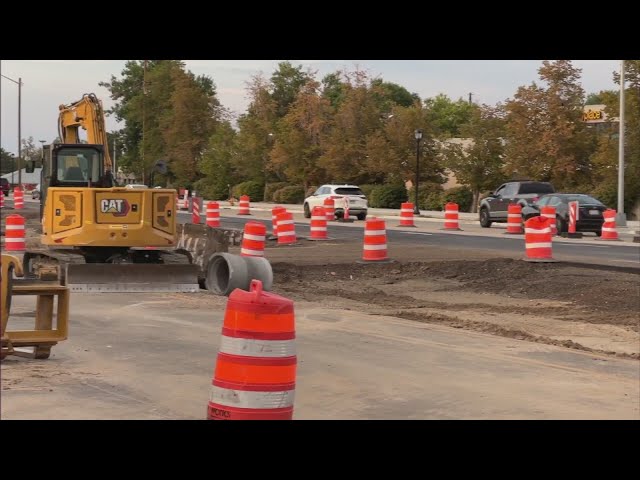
{"x": 593, "y": 114}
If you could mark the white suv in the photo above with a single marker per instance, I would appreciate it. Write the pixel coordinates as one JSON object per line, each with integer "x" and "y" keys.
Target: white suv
{"x": 340, "y": 193}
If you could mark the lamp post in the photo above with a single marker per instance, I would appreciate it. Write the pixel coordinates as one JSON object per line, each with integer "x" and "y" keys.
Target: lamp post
{"x": 19, "y": 83}
{"x": 621, "y": 217}
{"x": 418, "y": 135}
{"x": 264, "y": 165}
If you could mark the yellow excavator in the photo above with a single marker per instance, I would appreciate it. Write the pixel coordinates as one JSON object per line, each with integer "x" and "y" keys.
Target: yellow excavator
{"x": 100, "y": 237}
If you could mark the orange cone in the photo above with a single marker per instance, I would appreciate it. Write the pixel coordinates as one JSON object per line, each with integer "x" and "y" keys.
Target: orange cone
{"x": 255, "y": 372}
{"x": 244, "y": 205}
{"x": 375, "y": 242}
{"x": 253, "y": 239}
{"x": 275, "y": 211}
{"x": 550, "y": 213}
{"x": 609, "y": 231}
{"x": 213, "y": 214}
{"x": 286, "y": 229}
{"x": 406, "y": 215}
{"x": 330, "y": 208}
{"x": 537, "y": 237}
{"x": 451, "y": 217}
{"x": 14, "y": 234}
{"x": 195, "y": 211}
{"x": 318, "y": 227}
{"x": 514, "y": 219}
{"x": 18, "y": 198}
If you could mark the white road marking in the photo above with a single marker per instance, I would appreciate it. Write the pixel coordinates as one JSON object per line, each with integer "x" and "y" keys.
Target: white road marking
{"x": 414, "y": 233}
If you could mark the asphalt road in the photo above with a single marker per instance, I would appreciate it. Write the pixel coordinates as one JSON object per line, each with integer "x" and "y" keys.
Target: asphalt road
{"x": 626, "y": 255}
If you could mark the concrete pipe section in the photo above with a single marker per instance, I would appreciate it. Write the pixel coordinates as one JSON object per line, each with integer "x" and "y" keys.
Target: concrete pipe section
{"x": 227, "y": 272}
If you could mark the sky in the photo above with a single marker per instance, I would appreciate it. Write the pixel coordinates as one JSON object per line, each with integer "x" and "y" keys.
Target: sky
{"x": 49, "y": 83}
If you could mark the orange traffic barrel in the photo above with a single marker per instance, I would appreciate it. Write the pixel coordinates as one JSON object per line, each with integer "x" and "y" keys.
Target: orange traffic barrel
{"x": 550, "y": 213}
{"x": 213, "y": 214}
{"x": 318, "y": 227}
{"x": 406, "y": 215}
{"x": 14, "y": 239}
{"x": 253, "y": 239}
{"x": 244, "y": 205}
{"x": 451, "y": 217}
{"x": 18, "y": 198}
{"x": 330, "y": 208}
{"x": 275, "y": 211}
{"x": 609, "y": 231}
{"x": 375, "y": 241}
{"x": 537, "y": 237}
{"x": 255, "y": 372}
{"x": 286, "y": 229}
{"x": 514, "y": 219}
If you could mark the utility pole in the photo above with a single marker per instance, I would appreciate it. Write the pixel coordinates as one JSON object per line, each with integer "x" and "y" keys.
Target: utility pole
{"x": 19, "y": 83}
{"x": 144, "y": 94}
{"x": 470, "y": 97}
{"x": 621, "y": 218}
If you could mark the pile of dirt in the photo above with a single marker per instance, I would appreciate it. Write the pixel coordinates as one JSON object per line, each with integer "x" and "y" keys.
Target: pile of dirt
{"x": 563, "y": 295}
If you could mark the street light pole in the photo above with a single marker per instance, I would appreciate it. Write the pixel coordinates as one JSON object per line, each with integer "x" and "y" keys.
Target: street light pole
{"x": 19, "y": 83}
{"x": 418, "y": 135}
{"x": 621, "y": 218}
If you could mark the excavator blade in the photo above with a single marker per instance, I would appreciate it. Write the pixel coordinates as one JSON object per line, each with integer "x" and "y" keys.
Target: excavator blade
{"x": 131, "y": 278}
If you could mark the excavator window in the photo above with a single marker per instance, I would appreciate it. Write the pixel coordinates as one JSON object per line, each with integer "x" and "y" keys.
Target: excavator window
{"x": 80, "y": 166}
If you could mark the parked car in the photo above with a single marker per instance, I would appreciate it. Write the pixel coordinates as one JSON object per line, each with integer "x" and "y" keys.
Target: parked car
{"x": 494, "y": 208}
{"x": 590, "y": 211}
{"x": 4, "y": 183}
{"x": 35, "y": 193}
{"x": 358, "y": 205}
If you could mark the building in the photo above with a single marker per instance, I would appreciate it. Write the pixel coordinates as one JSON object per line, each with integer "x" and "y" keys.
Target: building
{"x": 29, "y": 180}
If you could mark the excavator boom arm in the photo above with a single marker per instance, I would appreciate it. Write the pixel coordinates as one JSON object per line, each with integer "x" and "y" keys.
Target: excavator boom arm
{"x": 88, "y": 114}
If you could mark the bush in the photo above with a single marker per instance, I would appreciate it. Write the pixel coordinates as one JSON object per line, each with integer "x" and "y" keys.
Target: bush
{"x": 388, "y": 196}
{"x": 254, "y": 189}
{"x": 273, "y": 188}
{"x": 366, "y": 189}
{"x": 463, "y": 196}
{"x": 209, "y": 191}
{"x": 430, "y": 197}
{"x": 291, "y": 194}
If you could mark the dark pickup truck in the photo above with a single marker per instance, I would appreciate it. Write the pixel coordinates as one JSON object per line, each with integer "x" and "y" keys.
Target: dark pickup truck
{"x": 494, "y": 207}
{"x": 4, "y": 185}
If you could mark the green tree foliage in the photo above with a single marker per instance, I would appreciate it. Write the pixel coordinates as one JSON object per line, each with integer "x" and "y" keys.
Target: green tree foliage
{"x": 218, "y": 163}
{"x": 478, "y": 165}
{"x": 7, "y": 162}
{"x": 286, "y": 83}
{"x": 447, "y": 116}
{"x": 169, "y": 114}
{"x": 251, "y": 188}
{"x": 388, "y": 196}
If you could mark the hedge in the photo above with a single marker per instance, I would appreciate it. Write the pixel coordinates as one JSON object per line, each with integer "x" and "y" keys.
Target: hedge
{"x": 273, "y": 188}
{"x": 254, "y": 189}
{"x": 388, "y": 196}
{"x": 292, "y": 194}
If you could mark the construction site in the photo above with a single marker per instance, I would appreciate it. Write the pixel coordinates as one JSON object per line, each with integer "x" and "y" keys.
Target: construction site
{"x": 432, "y": 331}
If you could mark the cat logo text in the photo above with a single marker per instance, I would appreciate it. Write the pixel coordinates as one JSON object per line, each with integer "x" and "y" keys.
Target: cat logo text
{"x": 119, "y": 207}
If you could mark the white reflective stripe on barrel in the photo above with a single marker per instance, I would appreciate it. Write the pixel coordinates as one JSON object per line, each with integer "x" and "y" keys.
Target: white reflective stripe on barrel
{"x": 376, "y": 247}
{"x": 285, "y": 233}
{"x": 255, "y": 253}
{"x": 375, "y": 232}
{"x": 548, "y": 215}
{"x": 514, "y": 215}
{"x": 257, "y": 238}
{"x": 451, "y": 211}
{"x": 608, "y": 229}
{"x": 249, "y": 399}
{"x": 541, "y": 231}
{"x": 406, "y": 210}
{"x": 284, "y": 222}
{"x": 539, "y": 245}
{"x": 14, "y": 240}
{"x": 257, "y": 347}
{"x": 318, "y": 217}
{"x": 14, "y": 227}
{"x": 318, "y": 229}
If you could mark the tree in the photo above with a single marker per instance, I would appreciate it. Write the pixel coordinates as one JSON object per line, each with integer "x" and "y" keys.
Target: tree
{"x": 479, "y": 164}
{"x": 391, "y": 94}
{"x": 7, "y": 162}
{"x": 217, "y": 163}
{"x": 546, "y": 138}
{"x": 447, "y": 116}
{"x": 286, "y": 82}
{"x": 299, "y": 143}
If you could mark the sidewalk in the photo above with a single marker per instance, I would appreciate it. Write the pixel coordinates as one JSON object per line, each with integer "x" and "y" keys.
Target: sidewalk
{"x": 425, "y": 215}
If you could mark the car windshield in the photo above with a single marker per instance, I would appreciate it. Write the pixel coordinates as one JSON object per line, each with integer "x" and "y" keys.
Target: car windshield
{"x": 536, "y": 187}
{"x": 349, "y": 191}
{"x": 582, "y": 199}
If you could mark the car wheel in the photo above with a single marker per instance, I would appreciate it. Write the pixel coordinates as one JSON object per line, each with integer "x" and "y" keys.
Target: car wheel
{"x": 362, "y": 216}
{"x": 598, "y": 233}
{"x": 307, "y": 212}
{"x": 485, "y": 220}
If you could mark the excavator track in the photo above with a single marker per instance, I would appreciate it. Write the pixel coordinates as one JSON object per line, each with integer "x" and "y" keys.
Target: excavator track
{"x": 174, "y": 272}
